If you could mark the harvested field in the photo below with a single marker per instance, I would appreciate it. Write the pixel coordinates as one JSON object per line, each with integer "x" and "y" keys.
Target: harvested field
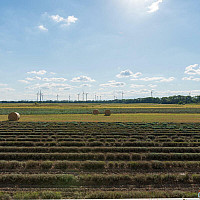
{"x": 99, "y": 160}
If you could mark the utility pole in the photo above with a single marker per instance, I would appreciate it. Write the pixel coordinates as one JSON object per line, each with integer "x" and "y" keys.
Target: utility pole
{"x": 69, "y": 97}
{"x": 57, "y": 97}
{"x": 86, "y": 96}
{"x": 78, "y": 96}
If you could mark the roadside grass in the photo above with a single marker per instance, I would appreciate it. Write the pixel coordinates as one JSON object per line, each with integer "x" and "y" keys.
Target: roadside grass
{"x": 140, "y": 117}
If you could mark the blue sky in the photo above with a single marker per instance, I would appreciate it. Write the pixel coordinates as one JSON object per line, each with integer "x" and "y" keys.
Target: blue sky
{"x": 99, "y": 47}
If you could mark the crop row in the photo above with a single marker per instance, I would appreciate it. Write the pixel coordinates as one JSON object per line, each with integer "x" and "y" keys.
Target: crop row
{"x": 73, "y": 126}
{"x": 94, "y": 142}
{"x": 101, "y": 156}
{"x": 67, "y": 180}
{"x": 98, "y": 195}
{"x": 139, "y": 194}
{"x": 133, "y": 166}
{"x": 97, "y": 144}
{"x": 100, "y": 149}
{"x": 31, "y": 195}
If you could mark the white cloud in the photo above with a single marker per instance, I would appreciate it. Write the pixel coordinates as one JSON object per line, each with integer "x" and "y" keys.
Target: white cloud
{"x": 152, "y": 86}
{"x": 154, "y": 6}
{"x": 23, "y": 81}
{"x": 142, "y": 91}
{"x": 71, "y": 19}
{"x": 128, "y": 73}
{"x": 86, "y": 85}
{"x": 57, "y": 18}
{"x": 41, "y": 72}
{"x": 137, "y": 74}
{"x": 49, "y": 86}
{"x": 54, "y": 79}
{"x": 66, "y": 21}
{"x": 191, "y": 69}
{"x": 33, "y": 78}
{"x": 136, "y": 86}
{"x": 7, "y": 89}
{"x": 113, "y": 84}
{"x": 82, "y": 79}
{"x": 42, "y": 28}
{"x": 157, "y": 79}
{"x": 191, "y": 78}
{"x": 3, "y": 85}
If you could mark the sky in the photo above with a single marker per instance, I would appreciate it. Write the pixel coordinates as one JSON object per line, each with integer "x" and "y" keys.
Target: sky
{"x": 103, "y": 48}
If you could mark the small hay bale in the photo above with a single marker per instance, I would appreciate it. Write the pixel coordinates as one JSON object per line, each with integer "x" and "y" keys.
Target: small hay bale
{"x": 95, "y": 112}
{"x": 107, "y": 112}
{"x": 14, "y": 116}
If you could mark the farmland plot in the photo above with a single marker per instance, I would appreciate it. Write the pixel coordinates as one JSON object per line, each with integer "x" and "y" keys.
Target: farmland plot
{"x": 99, "y": 160}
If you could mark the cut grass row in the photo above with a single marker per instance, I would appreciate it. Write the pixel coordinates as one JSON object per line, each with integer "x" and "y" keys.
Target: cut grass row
{"x": 97, "y": 195}
{"x": 101, "y": 156}
{"x": 68, "y": 180}
{"x": 99, "y": 144}
{"x": 100, "y": 166}
{"x": 176, "y": 118}
{"x": 81, "y": 127}
{"x": 100, "y": 149}
{"x": 100, "y": 141}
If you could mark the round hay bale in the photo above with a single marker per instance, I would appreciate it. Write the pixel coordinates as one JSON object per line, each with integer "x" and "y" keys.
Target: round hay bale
{"x": 14, "y": 116}
{"x": 107, "y": 112}
{"x": 95, "y": 112}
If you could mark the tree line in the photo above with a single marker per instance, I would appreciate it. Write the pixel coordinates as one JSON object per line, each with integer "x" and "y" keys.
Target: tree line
{"x": 179, "y": 99}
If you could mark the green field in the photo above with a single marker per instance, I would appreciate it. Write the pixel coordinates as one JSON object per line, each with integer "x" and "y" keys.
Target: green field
{"x": 47, "y": 109}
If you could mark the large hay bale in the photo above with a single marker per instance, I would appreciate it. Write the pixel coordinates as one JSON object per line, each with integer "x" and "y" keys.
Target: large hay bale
{"x": 14, "y": 116}
{"x": 95, "y": 112}
{"x": 107, "y": 112}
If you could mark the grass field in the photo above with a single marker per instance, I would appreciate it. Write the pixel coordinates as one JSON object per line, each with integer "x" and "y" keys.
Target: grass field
{"x": 139, "y": 117}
